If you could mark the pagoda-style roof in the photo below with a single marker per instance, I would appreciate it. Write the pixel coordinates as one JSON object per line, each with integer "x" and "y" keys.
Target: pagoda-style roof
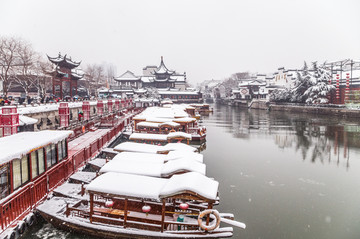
{"x": 64, "y": 61}
{"x": 77, "y": 74}
{"x": 127, "y": 76}
{"x": 162, "y": 69}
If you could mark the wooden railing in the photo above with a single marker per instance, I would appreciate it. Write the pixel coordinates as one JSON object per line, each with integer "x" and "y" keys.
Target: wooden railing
{"x": 22, "y": 201}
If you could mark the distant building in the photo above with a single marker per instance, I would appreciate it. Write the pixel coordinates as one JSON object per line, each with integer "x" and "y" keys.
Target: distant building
{"x": 65, "y": 76}
{"x": 167, "y": 84}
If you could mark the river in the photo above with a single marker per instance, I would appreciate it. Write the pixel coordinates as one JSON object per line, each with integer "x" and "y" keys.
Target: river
{"x": 285, "y": 175}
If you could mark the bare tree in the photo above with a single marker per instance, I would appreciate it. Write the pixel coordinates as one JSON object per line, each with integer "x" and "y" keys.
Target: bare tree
{"x": 94, "y": 78}
{"x": 8, "y": 59}
{"x": 24, "y": 72}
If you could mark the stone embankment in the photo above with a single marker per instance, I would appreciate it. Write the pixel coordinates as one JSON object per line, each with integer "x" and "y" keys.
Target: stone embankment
{"x": 333, "y": 111}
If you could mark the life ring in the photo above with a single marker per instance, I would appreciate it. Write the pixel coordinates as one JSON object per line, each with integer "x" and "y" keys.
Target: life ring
{"x": 213, "y": 225}
{"x": 172, "y": 131}
{"x": 83, "y": 128}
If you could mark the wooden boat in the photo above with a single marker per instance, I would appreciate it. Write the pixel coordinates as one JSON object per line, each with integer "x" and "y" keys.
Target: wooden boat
{"x": 134, "y": 206}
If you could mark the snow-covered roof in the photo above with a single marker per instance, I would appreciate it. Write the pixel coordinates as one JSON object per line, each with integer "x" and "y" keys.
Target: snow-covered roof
{"x": 130, "y": 185}
{"x": 148, "y": 124}
{"x": 127, "y": 76}
{"x": 178, "y": 154}
{"x": 138, "y": 186}
{"x": 17, "y": 145}
{"x": 149, "y": 148}
{"x": 184, "y": 119}
{"x": 159, "y": 137}
{"x": 154, "y": 169}
{"x": 172, "y": 124}
{"x": 141, "y": 157}
{"x": 194, "y": 182}
{"x": 24, "y": 120}
{"x": 178, "y": 92}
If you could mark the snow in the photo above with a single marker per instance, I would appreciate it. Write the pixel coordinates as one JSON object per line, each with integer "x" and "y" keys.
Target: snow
{"x": 177, "y": 154}
{"x": 159, "y": 137}
{"x": 85, "y": 177}
{"x": 17, "y": 145}
{"x": 192, "y": 181}
{"x": 154, "y": 169}
{"x": 139, "y": 186}
{"x": 172, "y": 124}
{"x": 136, "y": 186}
{"x": 141, "y": 157}
{"x": 149, "y": 148}
{"x": 24, "y": 120}
{"x": 148, "y": 124}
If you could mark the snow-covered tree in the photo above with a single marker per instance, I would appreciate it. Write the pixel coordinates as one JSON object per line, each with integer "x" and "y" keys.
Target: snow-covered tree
{"x": 280, "y": 95}
{"x": 320, "y": 88}
{"x": 302, "y": 83}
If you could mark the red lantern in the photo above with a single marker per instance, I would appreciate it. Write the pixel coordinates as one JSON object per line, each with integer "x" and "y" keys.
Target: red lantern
{"x": 146, "y": 209}
{"x": 109, "y": 203}
{"x": 184, "y": 206}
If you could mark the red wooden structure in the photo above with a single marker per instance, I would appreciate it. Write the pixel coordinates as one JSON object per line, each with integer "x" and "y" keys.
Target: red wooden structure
{"x": 9, "y": 121}
{"x": 55, "y": 162}
{"x": 86, "y": 110}
{"x": 100, "y": 107}
{"x": 110, "y": 106}
{"x": 65, "y": 77}
{"x": 117, "y": 105}
{"x": 122, "y": 103}
{"x": 64, "y": 113}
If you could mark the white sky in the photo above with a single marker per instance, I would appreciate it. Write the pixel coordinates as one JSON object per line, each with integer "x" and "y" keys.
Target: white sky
{"x": 207, "y": 39}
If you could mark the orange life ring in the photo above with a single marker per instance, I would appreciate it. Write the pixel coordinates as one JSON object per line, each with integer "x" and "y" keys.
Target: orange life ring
{"x": 83, "y": 129}
{"x": 172, "y": 131}
{"x": 213, "y": 225}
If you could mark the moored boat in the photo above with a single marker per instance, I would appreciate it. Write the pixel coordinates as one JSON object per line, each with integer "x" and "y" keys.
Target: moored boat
{"x": 134, "y": 206}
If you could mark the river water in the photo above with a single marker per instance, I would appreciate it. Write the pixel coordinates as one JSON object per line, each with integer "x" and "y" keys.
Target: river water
{"x": 285, "y": 175}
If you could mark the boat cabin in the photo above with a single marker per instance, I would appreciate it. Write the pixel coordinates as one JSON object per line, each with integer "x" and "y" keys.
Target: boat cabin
{"x": 148, "y": 203}
{"x": 26, "y": 156}
{"x": 154, "y": 149}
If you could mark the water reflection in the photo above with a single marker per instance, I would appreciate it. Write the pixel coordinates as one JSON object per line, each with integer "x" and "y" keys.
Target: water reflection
{"x": 324, "y": 139}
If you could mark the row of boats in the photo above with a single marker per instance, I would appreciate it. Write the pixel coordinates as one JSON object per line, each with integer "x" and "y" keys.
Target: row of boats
{"x": 139, "y": 190}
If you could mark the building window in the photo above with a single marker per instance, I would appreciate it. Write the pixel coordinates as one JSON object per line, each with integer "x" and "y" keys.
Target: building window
{"x": 4, "y": 181}
{"x": 62, "y": 152}
{"x": 20, "y": 171}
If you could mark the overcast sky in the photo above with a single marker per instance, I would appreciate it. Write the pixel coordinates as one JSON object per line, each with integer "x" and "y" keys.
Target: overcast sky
{"x": 207, "y": 39}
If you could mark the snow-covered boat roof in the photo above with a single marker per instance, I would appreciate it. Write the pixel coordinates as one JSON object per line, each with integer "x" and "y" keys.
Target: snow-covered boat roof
{"x": 154, "y": 169}
{"x": 17, "y": 145}
{"x": 159, "y": 137}
{"x": 178, "y": 154}
{"x": 148, "y": 124}
{"x": 149, "y": 148}
{"x": 141, "y": 157}
{"x": 24, "y": 120}
{"x": 145, "y": 187}
{"x": 157, "y": 125}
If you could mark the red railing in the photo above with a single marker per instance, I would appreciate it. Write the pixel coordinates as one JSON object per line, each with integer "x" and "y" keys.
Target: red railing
{"x": 17, "y": 205}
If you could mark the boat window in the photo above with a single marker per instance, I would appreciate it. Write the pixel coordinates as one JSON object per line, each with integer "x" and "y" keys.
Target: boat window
{"x": 60, "y": 151}
{"x": 34, "y": 164}
{"x": 64, "y": 148}
{"x": 41, "y": 160}
{"x": 50, "y": 155}
{"x": 20, "y": 171}
{"x": 4, "y": 181}
{"x": 37, "y": 162}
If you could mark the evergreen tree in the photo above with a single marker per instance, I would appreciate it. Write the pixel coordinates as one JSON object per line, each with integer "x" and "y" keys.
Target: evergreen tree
{"x": 320, "y": 88}
{"x": 302, "y": 83}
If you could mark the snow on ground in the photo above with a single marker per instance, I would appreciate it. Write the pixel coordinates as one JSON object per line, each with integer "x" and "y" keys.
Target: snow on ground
{"x": 85, "y": 177}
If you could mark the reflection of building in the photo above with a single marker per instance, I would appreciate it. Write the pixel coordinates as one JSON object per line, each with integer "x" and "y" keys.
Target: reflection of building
{"x": 65, "y": 76}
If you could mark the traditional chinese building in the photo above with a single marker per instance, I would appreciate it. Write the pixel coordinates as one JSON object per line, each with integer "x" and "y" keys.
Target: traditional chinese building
{"x": 158, "y": 77}
{"x": 65, "y": 76}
